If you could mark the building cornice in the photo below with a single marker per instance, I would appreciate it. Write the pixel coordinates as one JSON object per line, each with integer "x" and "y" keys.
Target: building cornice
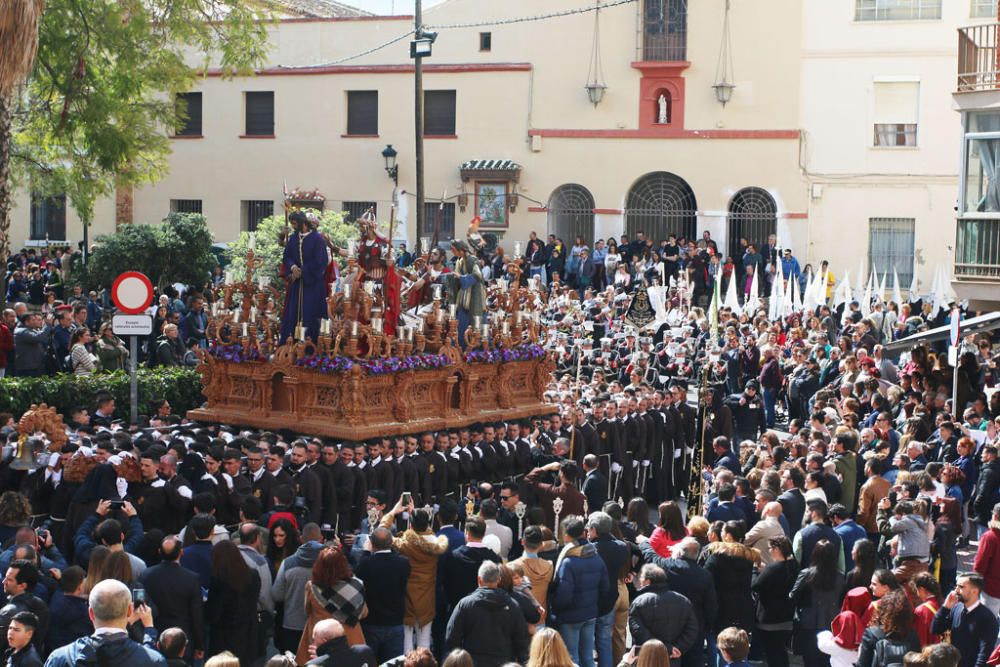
{"x": 320, "y": 70}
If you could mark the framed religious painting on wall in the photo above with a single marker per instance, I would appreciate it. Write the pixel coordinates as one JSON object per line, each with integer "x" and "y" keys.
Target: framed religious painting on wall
{"x": 491, "y": 203}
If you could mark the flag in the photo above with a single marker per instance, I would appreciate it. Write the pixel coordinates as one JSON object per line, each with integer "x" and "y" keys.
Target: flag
{"x": 640, "y": 311}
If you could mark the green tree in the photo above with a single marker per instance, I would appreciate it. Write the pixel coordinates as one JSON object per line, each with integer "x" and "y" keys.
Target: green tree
{"x": 179, "y": 250}
{"x": 269, "y": 248}
{"x": 95, "y": 108}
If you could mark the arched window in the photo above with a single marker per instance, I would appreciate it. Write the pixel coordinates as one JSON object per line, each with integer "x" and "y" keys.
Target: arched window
{"x": 753, "y": 216}
{"x": 571, "y": 213}
{"x": 660, "y": 204}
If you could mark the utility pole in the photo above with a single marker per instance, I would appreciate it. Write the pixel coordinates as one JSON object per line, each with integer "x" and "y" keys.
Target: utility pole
{"x": 418, "y": 117}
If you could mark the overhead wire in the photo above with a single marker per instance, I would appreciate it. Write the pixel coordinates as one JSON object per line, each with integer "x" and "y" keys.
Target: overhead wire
{"x": 456, "y": 26}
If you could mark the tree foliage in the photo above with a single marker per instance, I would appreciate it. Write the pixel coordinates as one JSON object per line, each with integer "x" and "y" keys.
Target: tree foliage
{"x": 179, "y": 250}
{"x": 269, "y": 248}
{"x": 97, "y": 108}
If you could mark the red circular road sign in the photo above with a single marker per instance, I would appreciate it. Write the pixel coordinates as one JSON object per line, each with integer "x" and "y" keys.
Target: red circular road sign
{"x": 132, "y": 292}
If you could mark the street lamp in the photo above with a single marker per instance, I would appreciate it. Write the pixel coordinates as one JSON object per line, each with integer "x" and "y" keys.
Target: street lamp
{"x": 391, "y": 168}
{"x": 723, "y": 91}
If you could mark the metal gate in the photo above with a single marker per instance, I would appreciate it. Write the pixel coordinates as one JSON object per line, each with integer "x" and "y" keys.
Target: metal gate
{"x": 660, "y": 204}
{"x": 753, "y": 216}
{"x": 571, "y": 214}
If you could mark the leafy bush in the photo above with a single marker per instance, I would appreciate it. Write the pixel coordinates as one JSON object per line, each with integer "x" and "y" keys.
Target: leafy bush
{"x": 178, "y": 250}
{"x": 181, "y": 386}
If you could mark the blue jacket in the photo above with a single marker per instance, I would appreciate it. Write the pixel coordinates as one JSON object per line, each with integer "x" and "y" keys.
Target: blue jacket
{"x": 581, "y": 580}
{"x": 614, "y": 553}
{"x": 726, "y": 512}
{"x": 850, "y": 532}
{"x": 51, "y": 558}
{"x": 83, "y": 541}
{"x": 120, "y": 650}
{"x": 730, "y": 462}
{"x": 197, "y": 558}
{"x": 973, "y": 633}
{"x": 68, "y": 620}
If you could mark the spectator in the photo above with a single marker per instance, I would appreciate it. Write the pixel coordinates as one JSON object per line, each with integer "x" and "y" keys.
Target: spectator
{"x": 987, "y": 562}
{"x": 658, "y": 613}
{"x": 459, "y": 568}
{"x": 581, "y": 580}
{"x": 548, "y": 650}
{"x": 616, "y": 556}
{"x": 231, "y": 609}
{"x": 110, "y": 610}
{"x": 848, "y": 531}
{"x": 82, "y": 361}
{"x": 973, "y": 626}
{"x": 173, "y": 645}
{"x": 18, "y": 584}
{"x": 843, "y": 640}
{"x": 68, "y": 617}
{"x": 817, "y": 594}
{"x": 21, "y": 651}
{"x": 731, "y": 563}
{"x": 891, "y": 634}
{"x": 775, "y": 610}
{"x": 333, "y": 592}
{"x": 538, "y": 571}
{"x": 108, "y": 532}
{"x": 423, "y": 549}
{"x": 7, "y": 325}
{"x": 31, "y": 340}
{"x": 734, "y": 646}
{"x": 331, "y": 648}
{"x": 488, "y": 624}
{"x": 289, "y": 588}
{"x": 385, "y": 575}
{"x": 197, "y": 555}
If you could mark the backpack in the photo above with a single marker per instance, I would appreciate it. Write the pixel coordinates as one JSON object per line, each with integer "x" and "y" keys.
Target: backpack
{"x": 889, "y": 653}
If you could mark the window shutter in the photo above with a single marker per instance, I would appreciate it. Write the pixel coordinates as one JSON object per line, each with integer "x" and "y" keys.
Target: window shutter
{"x": 897, "y": 103}
{"x": 439, "y": 112}
{"x": 260, "y": 113}
{"x": 362, "y": 112}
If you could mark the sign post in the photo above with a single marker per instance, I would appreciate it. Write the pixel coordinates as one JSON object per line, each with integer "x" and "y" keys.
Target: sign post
{"x": 956, "y": 335}
{"x": 132, "y": 292}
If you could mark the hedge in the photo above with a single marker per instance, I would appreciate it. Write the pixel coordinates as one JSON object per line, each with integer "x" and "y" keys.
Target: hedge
{"x": 180, "y": 386}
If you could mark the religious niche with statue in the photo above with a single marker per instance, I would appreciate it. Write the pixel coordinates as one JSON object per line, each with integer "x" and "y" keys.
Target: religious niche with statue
{"x": 370, "y": 349}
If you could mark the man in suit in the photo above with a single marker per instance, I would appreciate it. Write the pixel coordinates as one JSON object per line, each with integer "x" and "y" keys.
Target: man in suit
{"x": 595, "y": 483}
{"x": 793, "y": 501}
{"x": 973, "y": 626}
{"x": 176, "y": 595}
{"x": 385, "y": 574}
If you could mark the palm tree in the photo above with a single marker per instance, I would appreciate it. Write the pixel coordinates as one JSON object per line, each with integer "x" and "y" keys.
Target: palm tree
{"x": 19, "y": 34}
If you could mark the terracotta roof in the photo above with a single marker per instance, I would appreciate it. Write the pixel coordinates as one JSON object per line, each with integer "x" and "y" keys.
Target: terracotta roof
{"x": 322, "y": 9}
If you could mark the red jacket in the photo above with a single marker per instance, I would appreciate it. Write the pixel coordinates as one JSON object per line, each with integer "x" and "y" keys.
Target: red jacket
{"x": 6, "y": 344}
{"x": 987, "y": 561}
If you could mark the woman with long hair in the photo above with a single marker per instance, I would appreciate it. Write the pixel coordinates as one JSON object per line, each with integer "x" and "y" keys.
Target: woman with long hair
{"x": 548, "y": 650}
{"x": 775, "y": 611}
{"x": 333, "y": 592}
{"x": 95, "y": 567}
{"x": 653, "y": 653}
{"x": 817, "y": 595}
{"x": 669, "y": 530}
{"x": 459, "y": 657}
{"x": 893, "y": 622}
{"x": 637, "y": 514}
{"x": 81, "y": 360}
{"x": 283, "y": 542}
{"x": 864, "y": 555}
{"x": 231, "y": 608}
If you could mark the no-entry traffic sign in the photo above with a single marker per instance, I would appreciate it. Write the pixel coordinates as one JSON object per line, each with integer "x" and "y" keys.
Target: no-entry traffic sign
{"x": 132, "y": 292}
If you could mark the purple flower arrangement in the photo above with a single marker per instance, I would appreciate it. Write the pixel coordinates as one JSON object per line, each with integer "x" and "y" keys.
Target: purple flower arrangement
{"x": 382, "y": 366}
{"x": 234, "y": 352}
{"x": 519, "y": 353}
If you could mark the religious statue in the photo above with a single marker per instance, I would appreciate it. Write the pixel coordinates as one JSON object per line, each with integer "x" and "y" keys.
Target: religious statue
{"x": 465, "y": 287}
{"x": 304, "y": 268}
{"x": 377, "y": 266}
{"x": 663, "y": 107}
{"x": 421, "y": 294}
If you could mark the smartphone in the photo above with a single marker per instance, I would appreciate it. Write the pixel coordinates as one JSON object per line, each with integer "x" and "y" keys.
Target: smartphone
{"x": 407, "y": 499}
{"x": 117, "y": 504}
{"x": 138, "y": 597}
{"x": 42, "y": 534}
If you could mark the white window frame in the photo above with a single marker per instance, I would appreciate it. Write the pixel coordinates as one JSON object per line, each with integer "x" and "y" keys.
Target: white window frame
{"x": 897, "y": 10}
{"x": 983, "y": 9}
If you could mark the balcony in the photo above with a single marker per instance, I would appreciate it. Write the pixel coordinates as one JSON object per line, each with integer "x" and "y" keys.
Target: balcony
{"x": 978, "y": 60}
{"x": 977, "y": 250}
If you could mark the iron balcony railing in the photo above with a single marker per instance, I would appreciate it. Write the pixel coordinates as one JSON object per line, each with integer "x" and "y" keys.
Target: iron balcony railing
{"x": 977, "y": 250}
{"x": 978, "y": 59}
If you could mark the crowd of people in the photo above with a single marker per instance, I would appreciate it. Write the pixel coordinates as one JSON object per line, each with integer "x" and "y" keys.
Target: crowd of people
{"x": 714, "y": 487}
